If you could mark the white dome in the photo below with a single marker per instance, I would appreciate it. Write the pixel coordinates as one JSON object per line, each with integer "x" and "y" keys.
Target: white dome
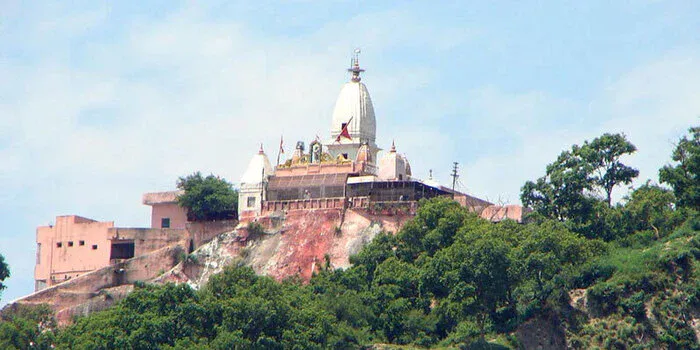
{"x": 254, "y": 173}
{"x": 392, "y": 166}
{"x": 354, "y": 101}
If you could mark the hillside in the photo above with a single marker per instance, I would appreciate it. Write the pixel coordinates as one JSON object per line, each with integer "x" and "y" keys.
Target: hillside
{"x": 447, "y": 278}
{"x": 581, "y": 272}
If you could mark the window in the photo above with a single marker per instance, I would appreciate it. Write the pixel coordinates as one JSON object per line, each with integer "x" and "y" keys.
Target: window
{"x": 345, "y": 155}
{"x": 81, "y": 242}
{"x": 165, "y": 222}
{"x": 122, "y": 250}
{"x": 94, "y": 247}
{"x": 251, "y": 202}
{"x": 70, "y": 243}
{"x": 59, "y": 244}
{"x": 39, "y": 285}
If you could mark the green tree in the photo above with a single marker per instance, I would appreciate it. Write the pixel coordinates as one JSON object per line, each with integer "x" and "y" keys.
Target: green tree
{"x": 683, "y": 177}
{"x": 652, "y": 207}
{"x": 26, "y": 326}
{"x": 561, "y": 193}
{"x": 565, "y": 192}
{"x": 603, "y": 157}
{"x": 207, "y": 198}
{"x": 4, "y": 272}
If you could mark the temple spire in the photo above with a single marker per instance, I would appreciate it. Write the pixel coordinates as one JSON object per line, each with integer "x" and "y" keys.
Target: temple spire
{"x": 355, "y": 67}
{"x": 261, "y": 149}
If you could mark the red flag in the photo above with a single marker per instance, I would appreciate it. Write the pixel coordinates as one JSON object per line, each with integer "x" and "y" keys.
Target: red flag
{"x": 344, "y": 132}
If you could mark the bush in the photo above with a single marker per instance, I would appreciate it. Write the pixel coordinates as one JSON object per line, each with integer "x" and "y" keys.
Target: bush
{"x": 255, "y": 230}
{"x": 634, "y": 305}
{"x": 603, "y": 299}
{"x": 591, "y": 273}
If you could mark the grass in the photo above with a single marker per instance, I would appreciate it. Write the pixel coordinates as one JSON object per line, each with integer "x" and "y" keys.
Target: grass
{"x": 659, "y": 279}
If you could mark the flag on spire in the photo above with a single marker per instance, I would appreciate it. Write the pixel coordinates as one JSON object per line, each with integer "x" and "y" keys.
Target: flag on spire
{"x": 344, "y": 132}
{"x": 280, "y": 151}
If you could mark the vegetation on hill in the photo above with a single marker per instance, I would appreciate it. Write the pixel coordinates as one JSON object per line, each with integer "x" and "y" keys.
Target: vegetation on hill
{"x": 4, "y": 272}
{"x": 683, "y": 176}
{"x": 207, "y": 198}
{"x": 604, "y": 275}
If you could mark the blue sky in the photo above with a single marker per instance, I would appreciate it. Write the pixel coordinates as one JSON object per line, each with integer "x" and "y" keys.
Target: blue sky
{"x": 103, "y": 101}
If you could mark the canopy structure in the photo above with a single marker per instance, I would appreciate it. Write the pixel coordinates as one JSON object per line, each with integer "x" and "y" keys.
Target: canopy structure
{"x": 306, "y": 186}
{"x": 389, "y": 191}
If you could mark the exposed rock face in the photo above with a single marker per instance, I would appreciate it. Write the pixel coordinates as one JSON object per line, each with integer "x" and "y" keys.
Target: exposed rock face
{"x": 295, "y": 243}
{"x": 542, "y": 333}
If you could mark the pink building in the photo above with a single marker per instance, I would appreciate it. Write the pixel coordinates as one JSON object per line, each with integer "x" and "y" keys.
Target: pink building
{"x": 165, "y": 212}
{"x": 76, "y": 245}
{"x": 73, "y": 246}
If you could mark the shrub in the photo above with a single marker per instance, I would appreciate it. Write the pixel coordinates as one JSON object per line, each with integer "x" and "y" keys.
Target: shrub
{"x": 603, "y": 298}
{"x": 255, "y": 230}
{"x": 590, "y": 273}
{"x": 634, "y": 305}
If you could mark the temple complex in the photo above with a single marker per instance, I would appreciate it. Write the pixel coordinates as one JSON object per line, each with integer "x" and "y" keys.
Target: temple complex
{"x": 348, "y": 173}
{"x": 348, "y": 170}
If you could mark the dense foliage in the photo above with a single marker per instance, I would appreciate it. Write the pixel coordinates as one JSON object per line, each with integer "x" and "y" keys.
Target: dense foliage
{"x": 604, "y": 276}
{"x": 207, "y": 198}
{"x": 25, "y": 327}
{"x": 4, "y": 272}
{"x": 684, "y": 177}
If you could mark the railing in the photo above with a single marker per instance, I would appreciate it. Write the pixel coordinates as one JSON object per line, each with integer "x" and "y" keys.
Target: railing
{"x": 392, "y": 207}
{"x": 383, "y": 207}
{"x": 301, "y": 204}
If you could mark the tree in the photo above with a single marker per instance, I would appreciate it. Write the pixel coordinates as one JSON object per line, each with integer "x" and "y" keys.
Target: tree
{"x": 560, "y": 194}
{"x": 4, "y": 272}
{"x": 564, "y": 192}
{"x": 651, "y": 207}
{"x": 22, "y": 326}
{"x": 603, "y": 157}
{"x": 207, "y": 198}
{"x": 683, "y": 177}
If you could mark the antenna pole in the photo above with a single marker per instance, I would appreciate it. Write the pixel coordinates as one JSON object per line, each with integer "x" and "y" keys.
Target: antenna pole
{"x": 454, "y": 175}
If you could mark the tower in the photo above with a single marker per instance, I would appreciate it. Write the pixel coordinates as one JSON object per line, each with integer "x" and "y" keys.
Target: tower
{"x": 353, "y": 117}
{"x": 252, "y": 188}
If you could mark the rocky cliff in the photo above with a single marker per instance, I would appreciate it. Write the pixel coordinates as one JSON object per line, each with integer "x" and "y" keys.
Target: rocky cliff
{"x": 281, "y": 245}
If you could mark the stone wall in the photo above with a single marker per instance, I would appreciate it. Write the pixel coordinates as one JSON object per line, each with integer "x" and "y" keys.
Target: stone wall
{"x": 65, "y": 298}
{"x": 147, "y": 240}
{"x": 203, "y": 232}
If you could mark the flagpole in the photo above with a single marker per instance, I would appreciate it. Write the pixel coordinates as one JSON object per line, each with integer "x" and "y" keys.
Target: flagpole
{"x": 279, "y": 150}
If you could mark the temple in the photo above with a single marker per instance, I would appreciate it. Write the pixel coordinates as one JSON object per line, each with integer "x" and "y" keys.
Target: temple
{"x": 348, "y": 170}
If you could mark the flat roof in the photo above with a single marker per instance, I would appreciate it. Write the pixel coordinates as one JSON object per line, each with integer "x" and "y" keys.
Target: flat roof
{"x": 166, "y": 197}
